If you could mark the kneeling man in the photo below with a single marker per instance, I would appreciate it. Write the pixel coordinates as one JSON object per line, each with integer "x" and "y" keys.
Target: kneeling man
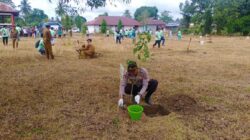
{"x": 136, "y": 82}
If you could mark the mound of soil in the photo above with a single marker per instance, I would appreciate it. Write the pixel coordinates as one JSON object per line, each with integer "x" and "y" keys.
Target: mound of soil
{"x": 180, "y": 103}
{"x": 155, "y": 110}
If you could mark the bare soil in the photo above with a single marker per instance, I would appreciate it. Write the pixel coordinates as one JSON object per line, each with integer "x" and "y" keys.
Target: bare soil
{"x": 180, "y": 103}
{"x": 155, "y": 111}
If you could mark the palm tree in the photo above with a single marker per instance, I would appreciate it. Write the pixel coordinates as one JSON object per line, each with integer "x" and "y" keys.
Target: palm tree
{"x": 61, "y": 9}
{"x": 25, "y": 7}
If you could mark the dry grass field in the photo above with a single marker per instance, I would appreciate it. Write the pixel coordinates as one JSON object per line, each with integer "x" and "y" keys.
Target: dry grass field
{"x": 70, "y": 98}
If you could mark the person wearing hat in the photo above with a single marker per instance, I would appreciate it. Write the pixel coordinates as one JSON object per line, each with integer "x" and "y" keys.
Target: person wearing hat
{"x": 136, "y": 82}
{"x": 14, "y": 36}
{"x": 47, "y": 42}
{"x": 89, "y": 50}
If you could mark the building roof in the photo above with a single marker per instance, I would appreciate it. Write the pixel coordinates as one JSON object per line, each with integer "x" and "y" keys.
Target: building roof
{"x": 5, "y": 8}
{"x": 113, "y": 21}
{"x": 156, "y": 22}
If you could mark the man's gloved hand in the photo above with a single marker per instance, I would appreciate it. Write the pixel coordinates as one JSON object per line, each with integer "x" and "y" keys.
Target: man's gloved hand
{"x": 120, "y": 103}
{"x": 137, "y": 99}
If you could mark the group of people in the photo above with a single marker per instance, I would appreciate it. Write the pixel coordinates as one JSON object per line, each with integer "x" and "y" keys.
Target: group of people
{"x": 160, "y": 37}
{"x": 135, "y": 81}
{"x": 14, "y": 34}
{"x": 119, "y": 35}
{"x": 44, "y": 45}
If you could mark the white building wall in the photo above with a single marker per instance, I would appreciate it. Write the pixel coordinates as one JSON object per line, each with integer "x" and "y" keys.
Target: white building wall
{"x": 93, "y": 29}
{"x": 113, "y": 28}
{"x": 96, "y": 29}
{"x": 151, "y": 28}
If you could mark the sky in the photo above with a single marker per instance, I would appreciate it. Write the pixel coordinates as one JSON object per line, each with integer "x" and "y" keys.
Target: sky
{"x": 118, "y": 10}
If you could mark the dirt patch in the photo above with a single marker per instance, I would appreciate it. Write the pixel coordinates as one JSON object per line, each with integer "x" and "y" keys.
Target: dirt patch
{"x": 155, "y": 110}
{"x": 180, "y": 103}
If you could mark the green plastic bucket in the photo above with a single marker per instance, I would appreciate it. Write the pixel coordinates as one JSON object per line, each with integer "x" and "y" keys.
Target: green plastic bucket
{"x": 135, "y": 112}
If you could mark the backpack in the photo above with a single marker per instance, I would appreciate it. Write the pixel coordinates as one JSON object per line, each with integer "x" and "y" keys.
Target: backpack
{"x": 37, "y": 44}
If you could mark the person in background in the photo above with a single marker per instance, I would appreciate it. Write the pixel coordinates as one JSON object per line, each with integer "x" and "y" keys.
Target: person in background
{"x": 29, "y": 31}
{"x": 89, "y": 50}
{"x": 47, "y": 42}
{"x": 60, "y": 32}
{"x": 121, "y": 34}
{"x": 107, "y": 33}
{"x": 37, "y": 33}
{"x": 14, "y": 37}
{"x": 136, "y": 82}
{"x": 25, "y": 32}
{"x": 33, "y": 30}
{"x": 162, "y": 37}
{"x": 126, "y": 33}
{"x": 64, "y": 32}
{"x": 133, "y": 35}
{"x": 19, "y": 29}
{"x": 53, "y": 34}
{"x": 87, "y": 33}
{"x": 157, "y": 38}
{"x": 170, "y": 34}
{"x": 179, "y": 35}
{"x": 40, "y": 46}
{"x": 118, "y": 36}
{"x": 5, "y": 35}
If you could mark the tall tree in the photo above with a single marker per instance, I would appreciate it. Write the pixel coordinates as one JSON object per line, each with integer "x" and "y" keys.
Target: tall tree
{"x": 25, "y": 8}
{"x": 228, "y": 16}
{"x": 187, "y": 11}
{"x": 127, "y": 14}
{"x": 84, "y": 28}
{"x": 63, "y": 9}
{"x": 143, "y": 18}
{"x": 67, "y": 22}
{"x": 152, "y": 11}
{"x": 9, "y": 2}
{"x": 35, "y": 17}
{"x": 103, "y": 26}
{"x": 166, "y": 17}
{"x": 119, "y": 25}
{"x": 79, "y": 21}
{"x": 198, "y": 12}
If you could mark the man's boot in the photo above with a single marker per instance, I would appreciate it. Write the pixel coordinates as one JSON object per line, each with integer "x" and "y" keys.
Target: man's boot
{"x": 148, "y": 100}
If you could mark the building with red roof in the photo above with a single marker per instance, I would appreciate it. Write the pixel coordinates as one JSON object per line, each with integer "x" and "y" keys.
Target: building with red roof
{"x": 112, "y": 22}
{"x": 153, "y": 24}
{"x": 128, "y": 23}
{"x": 6, "y": 11}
